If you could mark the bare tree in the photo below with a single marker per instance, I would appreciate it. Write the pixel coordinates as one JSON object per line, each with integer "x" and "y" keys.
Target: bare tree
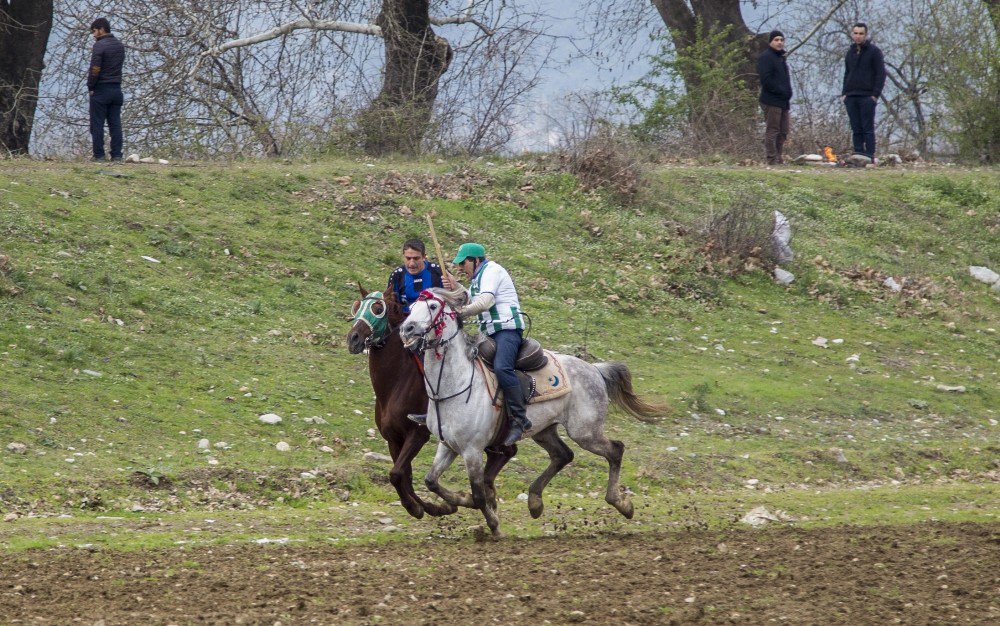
{"x": 24, "y": 35}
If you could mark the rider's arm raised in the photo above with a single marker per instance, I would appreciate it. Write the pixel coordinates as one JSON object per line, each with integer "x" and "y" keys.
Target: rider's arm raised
{"x": 481, "y": 303}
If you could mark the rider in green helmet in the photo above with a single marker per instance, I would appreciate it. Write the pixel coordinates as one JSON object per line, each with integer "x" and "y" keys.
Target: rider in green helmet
{"x": 494, "y": 303}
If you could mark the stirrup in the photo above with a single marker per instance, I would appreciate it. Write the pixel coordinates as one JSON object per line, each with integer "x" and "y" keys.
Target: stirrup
{"x": 418, "y": 418}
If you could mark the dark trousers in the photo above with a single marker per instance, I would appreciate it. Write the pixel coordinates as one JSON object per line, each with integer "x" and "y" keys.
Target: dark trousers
{"x": 106, "y": 107}
{"x": 508, "y": 345}
{"x": 776, "y": 122}
{"x": 861, "y": 112}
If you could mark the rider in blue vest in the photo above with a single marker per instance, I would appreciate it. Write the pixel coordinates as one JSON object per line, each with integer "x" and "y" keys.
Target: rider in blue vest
{"x": 414, "y": 275}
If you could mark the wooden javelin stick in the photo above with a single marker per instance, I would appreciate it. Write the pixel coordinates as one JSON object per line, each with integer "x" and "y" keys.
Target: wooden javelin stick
{"x": 437, "y": 246}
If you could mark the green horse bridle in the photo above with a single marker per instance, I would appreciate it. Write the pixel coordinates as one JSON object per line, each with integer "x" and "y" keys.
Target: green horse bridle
{"x": 371, "y": 310}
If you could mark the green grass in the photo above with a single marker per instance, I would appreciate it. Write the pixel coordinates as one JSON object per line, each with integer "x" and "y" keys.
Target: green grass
{"x": 122, "y": 364}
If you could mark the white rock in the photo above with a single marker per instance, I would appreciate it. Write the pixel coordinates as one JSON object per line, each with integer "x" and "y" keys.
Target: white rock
{"x": 522, "y": 497}
{"x": 270, "y": 418}
{"x": 326, "y": 449}
{"x": 17, "y": 447}
{"x": 854, "y": 358}
{"x": 150, "y": 259}
{"x": 892, "y": 284}
{"x": 203, "y": 444}
{"x": 92, "y": 373}
{"x": 819, "y": 341}
{"x": 132, "y": 158}
{"x": 307, "y": 475}
{"x": 720, "y": 411}
{"x": 314, "y": 420}
{"x": 782, "y": 276}
{"x": 984, "y": 274}
{"x": 951, "y": 388}
{"x": 10, "y": 517}
{"x": 376, "y": 456}
{"x": 759, "y": 516}
{"x": 752, "y": 481}
{"x": 163, "y": 161}
{"x": 281, "y": 446}
{"x": 221, "y": 445}
{"x": 147, "y": 160}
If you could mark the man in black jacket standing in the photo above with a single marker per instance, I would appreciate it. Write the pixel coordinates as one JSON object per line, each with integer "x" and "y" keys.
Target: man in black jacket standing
{"x": 864, "y": 78}
{"x": 104, "y": 82}
{"x": 775, "y": 95}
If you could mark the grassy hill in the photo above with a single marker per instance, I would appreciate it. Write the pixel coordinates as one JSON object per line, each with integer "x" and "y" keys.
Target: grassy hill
{"x": 145, "y": 308}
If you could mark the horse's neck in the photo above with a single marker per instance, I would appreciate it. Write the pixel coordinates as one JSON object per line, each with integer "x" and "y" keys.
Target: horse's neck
{"x": 386, "y": 365}
{"x": 454, "y": 360}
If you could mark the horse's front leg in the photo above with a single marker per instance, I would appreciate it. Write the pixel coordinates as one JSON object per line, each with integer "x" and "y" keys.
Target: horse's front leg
{"x": 401, "y": 476}
{"x": 477, "y": 480}
{"x": 496, "y": 459}
{"x": 442, "y": 460}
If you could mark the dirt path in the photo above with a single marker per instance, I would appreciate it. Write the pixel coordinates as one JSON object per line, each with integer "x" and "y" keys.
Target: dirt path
{"x": 929, "y": 573}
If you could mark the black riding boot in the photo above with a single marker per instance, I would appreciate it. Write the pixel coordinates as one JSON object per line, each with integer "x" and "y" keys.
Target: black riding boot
{"x": 517, "y": 409}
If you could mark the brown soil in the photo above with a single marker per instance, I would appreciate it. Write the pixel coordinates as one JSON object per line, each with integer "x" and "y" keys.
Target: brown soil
{"x": 930, "y": 573}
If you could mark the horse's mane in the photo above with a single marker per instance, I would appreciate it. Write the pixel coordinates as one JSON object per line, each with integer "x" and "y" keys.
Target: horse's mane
{"x": 455, "y": 297}
{"x": 394, "y": 311}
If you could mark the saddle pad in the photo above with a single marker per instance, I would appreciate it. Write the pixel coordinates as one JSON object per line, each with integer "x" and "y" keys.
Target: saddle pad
{"x": 550, "y": 381}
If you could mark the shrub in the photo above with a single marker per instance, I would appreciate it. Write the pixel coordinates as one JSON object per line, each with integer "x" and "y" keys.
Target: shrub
{"x": 741, "y": 236}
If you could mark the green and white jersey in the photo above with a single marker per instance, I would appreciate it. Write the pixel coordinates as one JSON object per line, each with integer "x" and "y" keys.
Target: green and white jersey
{"x": 505, "y": 314}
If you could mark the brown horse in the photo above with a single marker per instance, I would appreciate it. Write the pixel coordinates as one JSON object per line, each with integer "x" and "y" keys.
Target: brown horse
{"x": 399, "y": 390}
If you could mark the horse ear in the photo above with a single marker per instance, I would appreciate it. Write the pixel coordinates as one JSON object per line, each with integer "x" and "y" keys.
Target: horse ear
{"x": 363, "y": 291}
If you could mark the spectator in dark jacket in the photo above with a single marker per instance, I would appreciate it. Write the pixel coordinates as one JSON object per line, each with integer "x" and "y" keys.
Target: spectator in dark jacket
{"x": 864, "y": 78}
{"x": 104, "y": 83}
{"x": 775, "y": 96}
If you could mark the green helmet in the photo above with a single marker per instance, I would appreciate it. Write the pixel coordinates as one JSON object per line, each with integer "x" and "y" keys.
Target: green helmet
{"x": 469, "y": 249}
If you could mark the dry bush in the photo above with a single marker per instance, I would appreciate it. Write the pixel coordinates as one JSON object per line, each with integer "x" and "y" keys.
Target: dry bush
{"x": 609, "y": 160}
{"x": 740, "y": 238}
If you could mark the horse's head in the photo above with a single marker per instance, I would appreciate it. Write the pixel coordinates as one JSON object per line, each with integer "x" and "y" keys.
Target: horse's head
{"x": 369, "y": 320}
{"x": 431, "y": 319}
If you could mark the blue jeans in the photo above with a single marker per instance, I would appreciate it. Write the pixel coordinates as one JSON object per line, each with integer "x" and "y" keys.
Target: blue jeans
{"x": 508, "y": 345}
{"x": 861, "y": 112}
{"x": 106, "y": 107}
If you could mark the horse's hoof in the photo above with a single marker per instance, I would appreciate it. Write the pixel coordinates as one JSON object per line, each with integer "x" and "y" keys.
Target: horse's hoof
{"x": 535, "y": 505}
{"x": 479, "y": 534}
{"x": 415, "y": 510}
{"x": 439, "y": 510}
{"x": 626, "y": 509}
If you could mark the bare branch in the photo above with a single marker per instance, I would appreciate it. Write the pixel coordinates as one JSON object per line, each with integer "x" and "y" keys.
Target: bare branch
{"x": 285, "y": 29}
{"x": 818, "y": 25}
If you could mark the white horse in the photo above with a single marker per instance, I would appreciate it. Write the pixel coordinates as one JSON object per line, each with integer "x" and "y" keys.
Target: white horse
{"x": 462, "y": 415}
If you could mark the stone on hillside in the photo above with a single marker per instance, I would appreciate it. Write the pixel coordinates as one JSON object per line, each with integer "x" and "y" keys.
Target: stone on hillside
{"x": 314, "y": 420}
{"x": 10, "y": 517}
{"x": 376, "y": 456}
{"x": 281, "y": 446}
{"x": 952, "y": 388}
{"x": 326, "y": 449}
{"x": 783, "y": 277}
{"x": 17, "y": 447}
{"x": 221, "y": 445}
{"x": 203, "y": 444}
{"x": 820, "y": 341}
{"x": 838, "y": 455}
{"x": 891, "y": 284}
{"x": 270, "y": 418}
{"x": 986, "y": 275}
{"x": 858, "y": 160}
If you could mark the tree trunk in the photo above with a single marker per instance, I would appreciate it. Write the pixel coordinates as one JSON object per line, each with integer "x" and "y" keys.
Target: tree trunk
{"x": 24, "y": 35}
{"x": 993, "y": 6}
{"x": 682, "y": 20}
{"x": 415, "y": 59}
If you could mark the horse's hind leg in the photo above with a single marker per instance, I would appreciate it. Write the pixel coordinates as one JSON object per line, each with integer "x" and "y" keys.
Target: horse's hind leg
{"x": 474, "y": 465}
{"x": 442, "y": 460}
{"x": 559, "y": 457}
{"x": 612, "y": 451}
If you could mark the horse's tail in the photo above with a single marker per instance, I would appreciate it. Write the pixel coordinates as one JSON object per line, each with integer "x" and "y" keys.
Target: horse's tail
{"x": 618, "y": 381}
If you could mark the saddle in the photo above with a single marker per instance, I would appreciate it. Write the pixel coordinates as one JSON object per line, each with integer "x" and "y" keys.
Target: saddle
{"x": 530, "y": 357}
{"x": 539, "y": 372}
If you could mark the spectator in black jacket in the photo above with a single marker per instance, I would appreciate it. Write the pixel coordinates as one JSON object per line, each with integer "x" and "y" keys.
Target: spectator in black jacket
{"x": 104, "y": 82}
{"x": 864, "y": 78}
{"x": 775, "y": 96}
